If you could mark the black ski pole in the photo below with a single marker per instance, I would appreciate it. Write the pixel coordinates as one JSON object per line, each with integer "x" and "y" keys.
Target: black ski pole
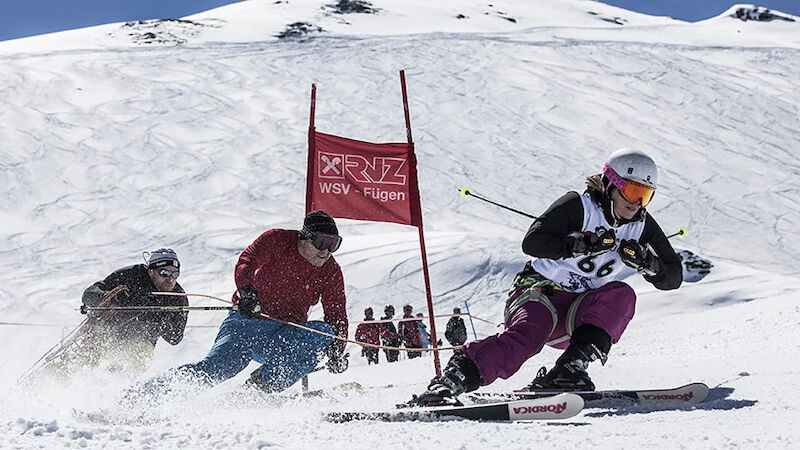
{"x": 466, "y": 192}
{"x": 681, "y": 233}
{"x": 85, "y": 309}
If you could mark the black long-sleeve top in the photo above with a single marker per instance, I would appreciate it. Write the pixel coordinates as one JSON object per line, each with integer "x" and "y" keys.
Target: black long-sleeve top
{"x": 547, "y": 237}
{"x": 149, "y": 325}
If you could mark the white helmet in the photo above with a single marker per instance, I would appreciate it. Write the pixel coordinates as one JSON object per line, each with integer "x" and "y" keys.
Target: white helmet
{"x": 633, "y": 165}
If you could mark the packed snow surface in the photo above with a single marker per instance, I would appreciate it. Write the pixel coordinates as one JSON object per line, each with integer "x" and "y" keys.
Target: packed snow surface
{"x": 192, "y": 133}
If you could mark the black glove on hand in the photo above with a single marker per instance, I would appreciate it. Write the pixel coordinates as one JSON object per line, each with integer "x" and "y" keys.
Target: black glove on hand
{"x": 337, "y": 361}
{"x": 594, "y": 243}
{"x": 635, "y": 255}
{"x": 249, "y": 305}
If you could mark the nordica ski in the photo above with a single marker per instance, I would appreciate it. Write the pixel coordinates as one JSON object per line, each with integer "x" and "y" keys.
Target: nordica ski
{"x": 688, "y": 395}
{"x": 560, "y": 406}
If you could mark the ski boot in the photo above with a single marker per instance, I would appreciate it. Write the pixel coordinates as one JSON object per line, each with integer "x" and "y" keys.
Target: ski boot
{"x": 569, "y": 373}
{"x": 560, "y": 378}
{"x": 461, "y": 375}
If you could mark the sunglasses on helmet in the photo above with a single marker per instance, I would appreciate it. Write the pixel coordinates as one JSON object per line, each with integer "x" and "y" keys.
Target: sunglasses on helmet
{"x": 327, "y": 242}
{"x": 631, "y": 191}
{"x": 169, "y": 273}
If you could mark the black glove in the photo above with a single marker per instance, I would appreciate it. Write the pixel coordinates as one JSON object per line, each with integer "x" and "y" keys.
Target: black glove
{"x": 249, "y": 305}
{"x": 635, "y": 255}
{"x": 593, "y": 243}
{"x": 338, "y": 362}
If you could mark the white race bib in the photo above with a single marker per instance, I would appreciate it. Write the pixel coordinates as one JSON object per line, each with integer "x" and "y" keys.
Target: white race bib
{"x": 583, "y": 273}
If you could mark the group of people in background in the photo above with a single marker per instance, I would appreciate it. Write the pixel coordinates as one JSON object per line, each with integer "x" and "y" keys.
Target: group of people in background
{"x": 410, "y": 333}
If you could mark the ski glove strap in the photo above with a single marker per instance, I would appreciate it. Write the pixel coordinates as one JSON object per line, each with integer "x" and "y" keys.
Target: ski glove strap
{"x": 249, "y": 304}
{"x": 635, "y": 255}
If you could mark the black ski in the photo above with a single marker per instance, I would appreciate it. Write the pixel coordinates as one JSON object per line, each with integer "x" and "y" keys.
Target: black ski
{"x": 690, "y": 394}
{"x": 560, "y": 406}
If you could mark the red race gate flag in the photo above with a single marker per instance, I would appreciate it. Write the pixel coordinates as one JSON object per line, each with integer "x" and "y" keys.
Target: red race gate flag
{"x": 364, "y": 181}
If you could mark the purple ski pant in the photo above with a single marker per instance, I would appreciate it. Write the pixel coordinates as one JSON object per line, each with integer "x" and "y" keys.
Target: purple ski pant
{"x": 609, "y": 307}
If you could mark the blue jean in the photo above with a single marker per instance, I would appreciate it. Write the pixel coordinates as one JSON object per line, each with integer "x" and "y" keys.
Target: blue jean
{"x": 286, "y": 353}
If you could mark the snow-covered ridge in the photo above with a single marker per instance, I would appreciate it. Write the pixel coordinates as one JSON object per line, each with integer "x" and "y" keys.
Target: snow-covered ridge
{"x": 262, "y": 20}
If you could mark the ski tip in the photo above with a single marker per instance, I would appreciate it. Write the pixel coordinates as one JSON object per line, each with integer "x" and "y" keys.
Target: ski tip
{"x": 686, "y": 395}
{"x": 701, "y": 391}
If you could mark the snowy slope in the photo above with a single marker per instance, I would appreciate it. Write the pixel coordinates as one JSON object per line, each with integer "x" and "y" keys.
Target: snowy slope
{"x": 113, "y": 145}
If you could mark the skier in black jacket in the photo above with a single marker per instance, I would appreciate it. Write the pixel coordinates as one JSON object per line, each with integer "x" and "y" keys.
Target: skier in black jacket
{"x": 124, "y": 340}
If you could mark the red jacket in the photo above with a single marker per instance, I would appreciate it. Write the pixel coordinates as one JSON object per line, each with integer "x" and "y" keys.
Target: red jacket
{"x": 410, "y": 332}
{"x": 288, "y": 285}
{"x": 369, "y": 333}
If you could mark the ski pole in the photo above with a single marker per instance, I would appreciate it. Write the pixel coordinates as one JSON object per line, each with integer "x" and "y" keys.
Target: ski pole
{"x": 85, "y": 309}
{"x": 311, "y": 330}
{"x": 467, "y": 192}
{"x": 66, "y": 340}
{"x": 681, "y": 233}
{"x": 466, "y": 305}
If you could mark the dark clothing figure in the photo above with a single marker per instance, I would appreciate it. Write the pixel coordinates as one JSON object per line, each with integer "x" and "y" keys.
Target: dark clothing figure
{"x": 148, "y": 325}
{"x": 390, "y": 338}
{"x": 123, "y": 342}
{"x": 456, "y": 331}
{"x": 409, "y": 330}
{"x": 369, "y": 333}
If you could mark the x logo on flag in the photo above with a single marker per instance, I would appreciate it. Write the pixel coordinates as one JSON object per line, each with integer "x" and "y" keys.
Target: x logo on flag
{"x": 330, "y": 164}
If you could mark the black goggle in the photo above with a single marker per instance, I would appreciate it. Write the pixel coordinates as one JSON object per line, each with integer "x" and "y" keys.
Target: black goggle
{"x": 169, "y": 273}
{"x": 327, "y": 242}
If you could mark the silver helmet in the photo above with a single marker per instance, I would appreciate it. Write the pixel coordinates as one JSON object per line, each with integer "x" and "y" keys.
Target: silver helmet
{"x": 633, "y": 165}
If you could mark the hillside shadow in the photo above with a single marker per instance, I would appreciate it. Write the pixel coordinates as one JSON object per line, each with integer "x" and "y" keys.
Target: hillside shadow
{"x": 717, "y": 400}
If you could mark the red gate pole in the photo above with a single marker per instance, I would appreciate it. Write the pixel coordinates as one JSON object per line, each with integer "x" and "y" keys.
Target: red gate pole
{"x": 436, "y": 364}
{"x": 311, "y": 147}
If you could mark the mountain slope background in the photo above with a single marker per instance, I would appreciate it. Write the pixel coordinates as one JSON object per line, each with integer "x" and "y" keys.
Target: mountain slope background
{"x": 116, "y": 142}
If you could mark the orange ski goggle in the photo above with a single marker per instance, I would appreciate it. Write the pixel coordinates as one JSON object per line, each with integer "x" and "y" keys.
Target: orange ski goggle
{"x": 632, "y": 191}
